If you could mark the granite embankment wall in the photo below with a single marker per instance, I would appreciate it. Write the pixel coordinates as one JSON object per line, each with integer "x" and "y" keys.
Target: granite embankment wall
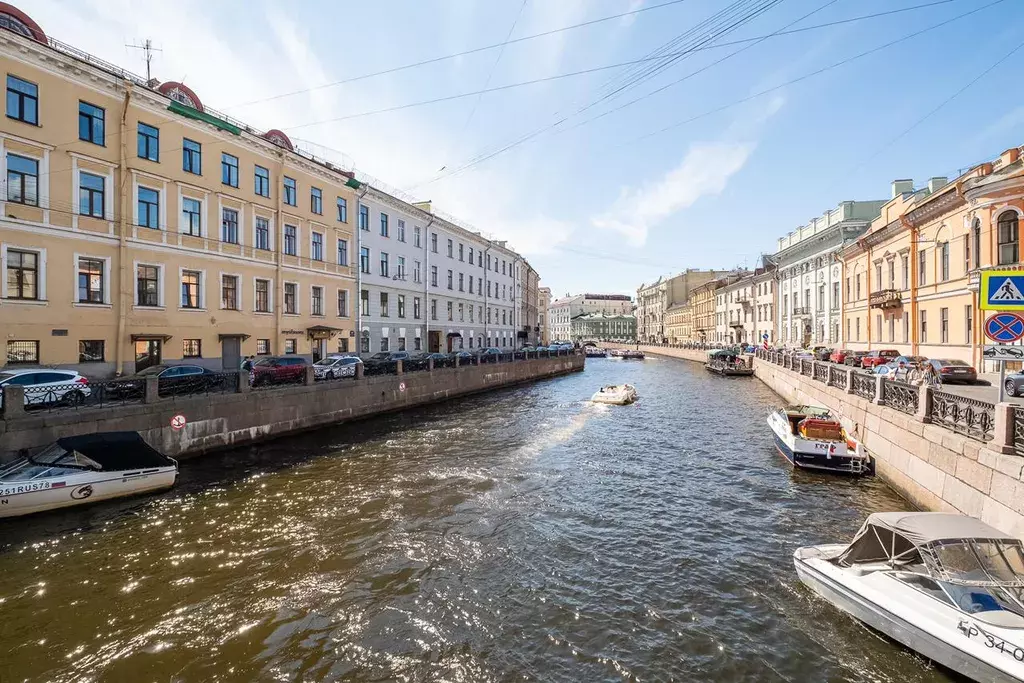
{"x": 933, "y": 467}
{"x": 220, "y": 421}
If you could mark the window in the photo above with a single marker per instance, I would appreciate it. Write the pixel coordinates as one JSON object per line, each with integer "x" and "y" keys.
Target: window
{"x": 149, "y": 208}
{"x": 461, "y": 288}
{"x": 905, "y": 264}
{"x": 90, "y": 351}
{"x": 263, "y": 347}
{"x": 90, "y": 280}
{"x": 191, "y": 156}
{"x": 878, "y": 327}
{"x": 385, "y": 344}
{"x": 383, "y": 264}
{"x": 364, "y": 343}
{"x": 892, "y": 329}
{"x": 289, "y": 346}
{"x": 261, "y": 181}
{"x": 433, "y": 309}
{"x": 364, "y": 302}
{"x": 416, "y": 308}
{"x": 148, "y": 285}
{"x": 385, "y": 311}
{"x": 450, "y": 280}
{"x": 461, "y": 313}
{"x": 976, "y": 238}
{"x": 289, "y": 191}
{"x": 148, "y": 142}
{"x": 190, "y": 297}
{"x": 924, "y": 327}
{"x": 290, "y": 299}
{"x": 416, "y": 236}
{"x": 342, "y": 252}
{"x": 229, "y": 226}
{"x": 400, "y": 228}
{"x": 191, "y": 348}
{"x": 906, "y": 327}
{"x": 22, "y": 180}
{"x": 433, "y": 242}
{"x": 22, "y": 100}
{"x": 22, "y": 352}
{"x": 401, "y": 268}
{"x": 364, "y": 260}
{"x": 922, "y": 268}
{"x": 470, "y": 283}
{"x": 401, "y": 305}
{"x": 383, "y": 224}
{"x": 342, "y": 209}
{"x": 229, "y": 292}
{"x": 229, "y": 169}
{"x": 944, "y": 325}
{"x": 191, "y": 217}
{"x": 401, "y": 343}
{"x": 821, "y": 297}
{"x": 342, "y": 303}
{"x": 479, "y": 285}
{"x": 968, "y": 324}
{"x": 878, "y": 275}
{"x": 291, "y": 240}
{"x": 892, "y": 273}
{"x": 262, "y": 233}
{"x": 847, "y": 290}
{"x": 857, "y": 328}
{"x": 417, "y": 344}
{"x": 91, "y": 194}
{"x": 317, "y": 246}
{"x": 450, "y": 315}
{"x": 461, "y": 253}
{"x": 471, "y": 315}
{"x": 316, "y": 201}
{"x": 944, "y": 261}
{"x": 835, "y": 297}
{"x": 433, "y": 276}
{"x": 317, "y": 300}
{"x": 1006, "y": 227}
{"x": 470, "y": 259}
{"x": 364, "y": 217}
{"x": 451, "y": 247}
{"x": 480, "y": 259}
{"x": 90, "y": 123}
{"x": 263, "y": 300}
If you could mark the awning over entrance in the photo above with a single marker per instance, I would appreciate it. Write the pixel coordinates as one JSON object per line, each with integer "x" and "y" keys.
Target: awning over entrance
{"x": 239, "y": 335}
{"x": 454, "y": 334}
{"x": 322, "y": 331}
{"x": 150, "y": 337}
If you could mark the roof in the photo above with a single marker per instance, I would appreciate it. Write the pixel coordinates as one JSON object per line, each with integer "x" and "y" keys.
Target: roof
{"x": 921, "y": 528}
{"x": 115, "y": 451}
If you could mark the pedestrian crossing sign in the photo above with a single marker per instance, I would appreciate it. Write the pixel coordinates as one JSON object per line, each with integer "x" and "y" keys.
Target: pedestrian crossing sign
{"x": 1002, "y": 290}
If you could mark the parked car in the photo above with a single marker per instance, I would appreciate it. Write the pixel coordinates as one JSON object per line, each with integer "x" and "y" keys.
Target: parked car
{"x": 421, "y": 361}
{"x": 953, "y": 371}
{"x": 171, "y": 379}
{"x": 1013, "y": 383}
{"x": 490, "y": 351}
{"x": 854, "y": 358}
{"x": 465, "y": 357}
{"x": 838, "y": 356}
{"x": 44, "y": 386}
{"x": 873, "y": 359}
{"x": 907, "y": 360}
{"x": 821, "y": 352}
{"x": 278, "y": 370}
{"x": 384, "y": 361}
{"x": 336, "y": 365}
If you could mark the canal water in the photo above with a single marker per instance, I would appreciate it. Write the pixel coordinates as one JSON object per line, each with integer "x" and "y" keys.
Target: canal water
{"x": 524, "y": 535}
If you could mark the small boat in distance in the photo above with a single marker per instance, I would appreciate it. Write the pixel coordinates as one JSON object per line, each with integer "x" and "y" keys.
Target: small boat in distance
{"x": 594, "y": 352}
{"x": 810, "y": 438}
{"x": 728, "y": 364}
{"x": 83, "y": 469}
{"x": 946, "y": 585}
{"x": 617, "y": 394}
{"x": 632, "y": 354}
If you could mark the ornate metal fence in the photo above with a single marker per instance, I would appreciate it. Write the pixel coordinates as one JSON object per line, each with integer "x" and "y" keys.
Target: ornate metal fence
{"x": 806, "y": 367}
{"x": 1018, "y": 429}
{"x": 966, "y": 416}
{"x": 864, "y": 385}
{"x": 821, "y": 372}
{"x": 902, "y": 397}
{"x": 836, "y": 378}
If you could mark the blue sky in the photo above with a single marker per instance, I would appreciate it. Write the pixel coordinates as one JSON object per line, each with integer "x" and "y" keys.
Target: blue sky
{"x": 596, "y": 205}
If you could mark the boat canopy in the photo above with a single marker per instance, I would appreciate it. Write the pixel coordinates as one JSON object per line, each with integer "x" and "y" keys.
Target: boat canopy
{"x": 810, "y": 411}
{"x": 115, "y": 450}
{"x": 954, "y": 548}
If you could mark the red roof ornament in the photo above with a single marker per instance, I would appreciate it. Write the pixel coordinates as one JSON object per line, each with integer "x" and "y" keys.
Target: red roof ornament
{"x": 278, "y": 138}
{"x": 13, "y": 19}
{"x": 179, "y": 92}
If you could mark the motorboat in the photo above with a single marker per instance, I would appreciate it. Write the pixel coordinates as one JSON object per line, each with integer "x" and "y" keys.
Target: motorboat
{"x": 810, "y": 438}
{"x": 616, "y": 394}
{"x": 594, "y": 352}
{"x": 83, "y": 469}
{"x": 946, "y": 585}
{"x": 632, "y": 354}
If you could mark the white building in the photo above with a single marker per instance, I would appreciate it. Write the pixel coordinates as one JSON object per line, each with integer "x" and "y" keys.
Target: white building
{"x": 562, "y": 311}
{"x": 809, "y": 274}
{"x": 764, "y": 304}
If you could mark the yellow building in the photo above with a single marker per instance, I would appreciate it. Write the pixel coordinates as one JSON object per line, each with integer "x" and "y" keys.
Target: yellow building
{"x": 702, "y": 305}
{"x": 911, "y": 282}
{"x": 139, "y": 226}
{"x": 679, "y": 323}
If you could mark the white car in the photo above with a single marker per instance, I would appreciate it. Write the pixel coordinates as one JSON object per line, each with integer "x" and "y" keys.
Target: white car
{"x": 334, "y": 366}
{"x": 45, "y": 386}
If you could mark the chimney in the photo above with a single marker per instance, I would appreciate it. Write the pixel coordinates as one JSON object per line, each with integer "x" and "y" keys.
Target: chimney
{"x": 1009, "y": 156}
{"x": 902, "y": 187}
{"x": 937, "y": 183}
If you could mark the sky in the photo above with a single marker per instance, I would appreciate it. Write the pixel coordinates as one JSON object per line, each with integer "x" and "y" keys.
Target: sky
{"x": 609, "y": 178}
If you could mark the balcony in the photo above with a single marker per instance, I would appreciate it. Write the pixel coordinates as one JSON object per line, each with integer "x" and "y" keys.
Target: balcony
{"x": 802, "y": 312}
{"x": 885, "y": 298}
{"x": 745, "y": 301}
{"x": 735, "y": 323}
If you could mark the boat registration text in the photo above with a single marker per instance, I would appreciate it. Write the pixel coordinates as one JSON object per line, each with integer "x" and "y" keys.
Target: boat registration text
{"x": 972, "y": 631}
{"x": 27, "y": 487}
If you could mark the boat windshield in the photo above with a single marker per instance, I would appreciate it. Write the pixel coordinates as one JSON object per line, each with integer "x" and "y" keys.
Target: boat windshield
{"x": 997, "y": 605}
{"x": 980, "y": 561}
{"x": 55, "y": 461}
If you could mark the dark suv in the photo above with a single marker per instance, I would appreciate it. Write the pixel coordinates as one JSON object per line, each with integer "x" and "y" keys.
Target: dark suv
{"x": 278, "y": 370}
{"x": 383, "y": 362}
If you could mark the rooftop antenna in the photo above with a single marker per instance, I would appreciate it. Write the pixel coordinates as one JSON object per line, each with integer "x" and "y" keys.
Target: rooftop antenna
{"x": 148, "y": 49}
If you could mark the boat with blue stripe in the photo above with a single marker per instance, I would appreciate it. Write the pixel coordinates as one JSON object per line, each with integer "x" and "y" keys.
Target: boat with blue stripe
{"x": 810, "y": 438}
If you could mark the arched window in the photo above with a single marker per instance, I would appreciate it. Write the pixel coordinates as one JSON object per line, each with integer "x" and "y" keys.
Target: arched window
{"x": 976, "y": 243}
{"x": 1006, "y": 229}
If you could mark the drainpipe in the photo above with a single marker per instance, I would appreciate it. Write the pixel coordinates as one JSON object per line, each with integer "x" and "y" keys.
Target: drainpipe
{"x": 426, "y": 283}
{"x": 122, "y": 246}
{"x": 359, "y": 274}
{"x": 913, "y": 285}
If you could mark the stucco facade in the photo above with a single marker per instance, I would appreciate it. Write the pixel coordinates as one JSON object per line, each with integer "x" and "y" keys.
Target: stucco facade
{"x": 654, "y": 299}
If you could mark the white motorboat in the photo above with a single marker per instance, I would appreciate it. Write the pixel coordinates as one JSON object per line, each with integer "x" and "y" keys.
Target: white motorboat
{"x": 83, "y": 469}
{"x": 810, "y": 438}
{"x": 616, "y": 394}
{"x": 945, "y": 585}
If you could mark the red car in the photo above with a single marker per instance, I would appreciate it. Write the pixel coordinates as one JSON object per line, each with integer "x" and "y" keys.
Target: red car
{"x": 838, "y": 356}
{"x": 875, "y": 358}
{"x": 278, "y": 370}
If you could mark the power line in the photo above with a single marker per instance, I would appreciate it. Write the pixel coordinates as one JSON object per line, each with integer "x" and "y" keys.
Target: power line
{"x": 434, "y": 60}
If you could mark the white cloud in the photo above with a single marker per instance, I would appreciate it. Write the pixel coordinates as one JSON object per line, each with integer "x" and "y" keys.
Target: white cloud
{"x": 634, "y": 5}
{"x": 704, "y": 171}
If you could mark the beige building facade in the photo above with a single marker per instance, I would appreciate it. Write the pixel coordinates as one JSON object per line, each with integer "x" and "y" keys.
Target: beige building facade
{"x": 702, "y": 302}
{"x": 543, "y": 304}
{"x": 653, "y": 301}
{"x": 679, "y": 323}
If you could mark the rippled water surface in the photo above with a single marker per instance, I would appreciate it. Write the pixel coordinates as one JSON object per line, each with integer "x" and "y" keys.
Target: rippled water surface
{"x": 521, "y": 535}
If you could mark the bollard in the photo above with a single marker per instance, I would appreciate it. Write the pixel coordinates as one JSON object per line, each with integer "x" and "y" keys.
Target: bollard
{"x": 310, "y": 378}
{"x": 430, "y": 365}
{"x": 14, "y": 401}
{"x": 1002, "y": 429}
{"x": 457, "y": 360}
{"x": 878, "y": 390}
{"x": 924, "y": 403}
{"x": 478, "y": 357}
{"x": 849, "y": 380}
{"x": 152, "y": 394}
{"x": 399, "y": 367}
{"x": 359, "y": 370}
{"x": 243, "y": 382}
